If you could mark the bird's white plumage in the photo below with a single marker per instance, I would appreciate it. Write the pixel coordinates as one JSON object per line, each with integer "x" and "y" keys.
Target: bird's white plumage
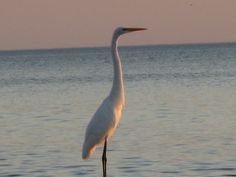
{"x": 102, "y": 125}
{"x": 106, "y": 118}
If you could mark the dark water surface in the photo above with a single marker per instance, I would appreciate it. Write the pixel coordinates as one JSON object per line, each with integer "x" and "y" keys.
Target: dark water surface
{"x": 179, "y": 119}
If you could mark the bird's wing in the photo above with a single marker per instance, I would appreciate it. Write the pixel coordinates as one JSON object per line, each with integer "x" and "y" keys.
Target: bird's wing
{"x": 99, "y": 127}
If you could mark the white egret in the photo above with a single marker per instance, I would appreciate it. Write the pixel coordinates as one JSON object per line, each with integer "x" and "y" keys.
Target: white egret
{"x": 106, "y": 118}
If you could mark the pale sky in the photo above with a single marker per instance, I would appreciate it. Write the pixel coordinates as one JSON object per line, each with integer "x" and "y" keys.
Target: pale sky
{"x": 33, "y": 24}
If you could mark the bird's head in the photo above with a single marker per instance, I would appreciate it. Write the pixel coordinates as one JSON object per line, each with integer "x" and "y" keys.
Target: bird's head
{"x": 124, "y": 30}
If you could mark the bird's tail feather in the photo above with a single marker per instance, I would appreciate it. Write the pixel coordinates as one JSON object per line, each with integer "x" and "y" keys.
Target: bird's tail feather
{"x": 88, "y": 150}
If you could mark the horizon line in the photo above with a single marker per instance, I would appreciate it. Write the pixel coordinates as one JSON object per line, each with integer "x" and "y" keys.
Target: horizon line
{"x": 124, "y": 45}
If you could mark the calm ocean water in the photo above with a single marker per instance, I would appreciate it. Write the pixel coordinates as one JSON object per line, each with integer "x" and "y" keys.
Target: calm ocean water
{"x": 179, "y": 119}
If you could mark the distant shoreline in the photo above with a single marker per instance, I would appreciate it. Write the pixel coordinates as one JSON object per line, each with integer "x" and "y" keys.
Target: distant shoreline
{"x": 122, "y": 46}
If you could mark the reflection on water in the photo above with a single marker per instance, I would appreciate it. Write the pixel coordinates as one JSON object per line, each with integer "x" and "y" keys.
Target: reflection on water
{"x": 179, "y": 118}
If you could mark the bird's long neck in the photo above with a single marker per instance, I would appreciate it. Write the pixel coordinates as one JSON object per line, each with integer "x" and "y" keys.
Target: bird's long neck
{"x": 117, "y": 91}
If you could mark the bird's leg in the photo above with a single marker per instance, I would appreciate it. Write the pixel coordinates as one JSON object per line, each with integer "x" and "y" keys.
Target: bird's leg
{"x": 104, "y": 159}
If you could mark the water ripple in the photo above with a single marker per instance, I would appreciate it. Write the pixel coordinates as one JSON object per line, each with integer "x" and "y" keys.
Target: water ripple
{"x": 215, "y": 169}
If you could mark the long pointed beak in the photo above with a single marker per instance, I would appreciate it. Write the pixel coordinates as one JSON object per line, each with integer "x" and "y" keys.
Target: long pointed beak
{"x": 135, "y": 29}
